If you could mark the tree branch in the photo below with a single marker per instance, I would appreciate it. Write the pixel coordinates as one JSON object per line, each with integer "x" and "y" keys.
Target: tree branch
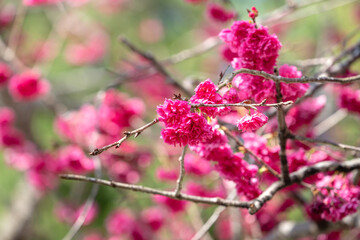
{"x": 301, "y": 174}
{"x": 327, "y": 142}
{"x": 242, "y": 104}
{"x": 276, "y": 78}
{"x": 253, "y": 205}
{"x": 159, "y": 67}
{"x": 117, "y": 144}
{"x": 182, "y": 173}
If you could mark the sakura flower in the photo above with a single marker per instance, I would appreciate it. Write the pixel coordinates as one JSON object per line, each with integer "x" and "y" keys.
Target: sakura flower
{"x": 73, "y": 159}
{"x": 120, "y": 222}
{"x": 218, "y": 13}
{"x": 154, "y": 217}
{"x": 249, "y": 123}
{"x": 5, "y": 73}
{"x": 39, "y": 2}
{"x": 28, "y": 86}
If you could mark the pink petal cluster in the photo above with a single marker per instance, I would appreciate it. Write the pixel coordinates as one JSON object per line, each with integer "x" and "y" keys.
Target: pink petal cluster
{"x": 39, "y": 2}
{"x": 9, "y": 135}
{"x": 173, "y": 205}
{"x": 256, "y": 49}
{"x": 197, "y": 166}
{"x": 116, "y": 112}
{"x": 7, "y": 15}
{"x": 153, "y": 217}
{"x": 195, "y": 1}
{"x": 78, "y": 126}
{"x": 230, "y": 166}
{"x": 349, "y": 99}
{"x": 250, "y": 123}
{"x": 120, "y": 222}
{"x": 218, "y": 13}
{"x": 43, "y": 173}
{"x": 196, "y": 189}
{"x": 336, "y": 199}
{"x": 73, "y": 159}
{"x": 28, "y": 86}
{"x": 166, "y": 175}
{"x": 305, "y": 113}
{"x": 91, "y": 51}
{"x": 5, "y": 73}
{"x": 206, "y": 92}
{"x": 182, "y": 126}
{"x": 292, "y": 91}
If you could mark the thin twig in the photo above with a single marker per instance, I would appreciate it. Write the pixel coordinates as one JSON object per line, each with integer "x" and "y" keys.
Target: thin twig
{"x": 203, "y": 47}
{"x": 242, "y": 104}
{"x": 182, "y": 173}
{"x": 159, "y": 67}
{"x": 170, "y": 194}
{"x": 327, "y": 142}
{"x": 117, "y": 144}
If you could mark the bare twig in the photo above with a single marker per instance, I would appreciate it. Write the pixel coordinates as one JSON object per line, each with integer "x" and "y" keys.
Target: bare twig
{"x": 327, "y": 142}
{"x": 330, "y": 122}
{"x": 117, "y": 144}
{"x": 242, "y": 104}
{"x": 159, "y": 67}
{"x": 203, "y": 47}
{"x": 170, "y": 194}
{"x": 182, "y": 173}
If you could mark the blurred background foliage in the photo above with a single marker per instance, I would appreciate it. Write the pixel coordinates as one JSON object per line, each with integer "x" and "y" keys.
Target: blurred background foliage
{"x": 162, "y": 27}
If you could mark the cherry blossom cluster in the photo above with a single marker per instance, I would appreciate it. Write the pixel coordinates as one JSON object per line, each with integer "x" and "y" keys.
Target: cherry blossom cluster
{"x": 254, "y": 48}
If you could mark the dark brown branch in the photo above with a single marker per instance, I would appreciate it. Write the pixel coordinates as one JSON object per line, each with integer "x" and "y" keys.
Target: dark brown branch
{"x": 170, "y": 194}
{"x": 117, "y": 144}
{"x": 283, "y": 135}
{"x": 157, "y": 65}
{"x": 253, "y": 205}
{"x": 182, "y": 173}
{"x": 327, "y": 142}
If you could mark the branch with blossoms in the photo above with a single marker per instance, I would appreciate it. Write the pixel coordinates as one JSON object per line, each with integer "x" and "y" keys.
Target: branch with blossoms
{"x": 277, "y": 78}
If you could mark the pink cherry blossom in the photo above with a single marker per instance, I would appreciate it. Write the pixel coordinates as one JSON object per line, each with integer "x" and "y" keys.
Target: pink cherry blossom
{"x": 252, "y": 122}
{"x": 73, "y": 159}
{"x": 154, "y": 217}
{"x": 5, "y": 73}
{"x": 39, "y": 2}
{"x": 218, "y": 13}
{"x": 172, "y": 112}
{"x": 78, "y": 126}
{"x": 28, "y": 86}
{"x": 120, "y": 222}
{"x": 174, "y": 205}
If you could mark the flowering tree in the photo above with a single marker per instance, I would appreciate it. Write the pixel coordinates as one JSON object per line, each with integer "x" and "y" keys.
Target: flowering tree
{"x": 255, "y": 157}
